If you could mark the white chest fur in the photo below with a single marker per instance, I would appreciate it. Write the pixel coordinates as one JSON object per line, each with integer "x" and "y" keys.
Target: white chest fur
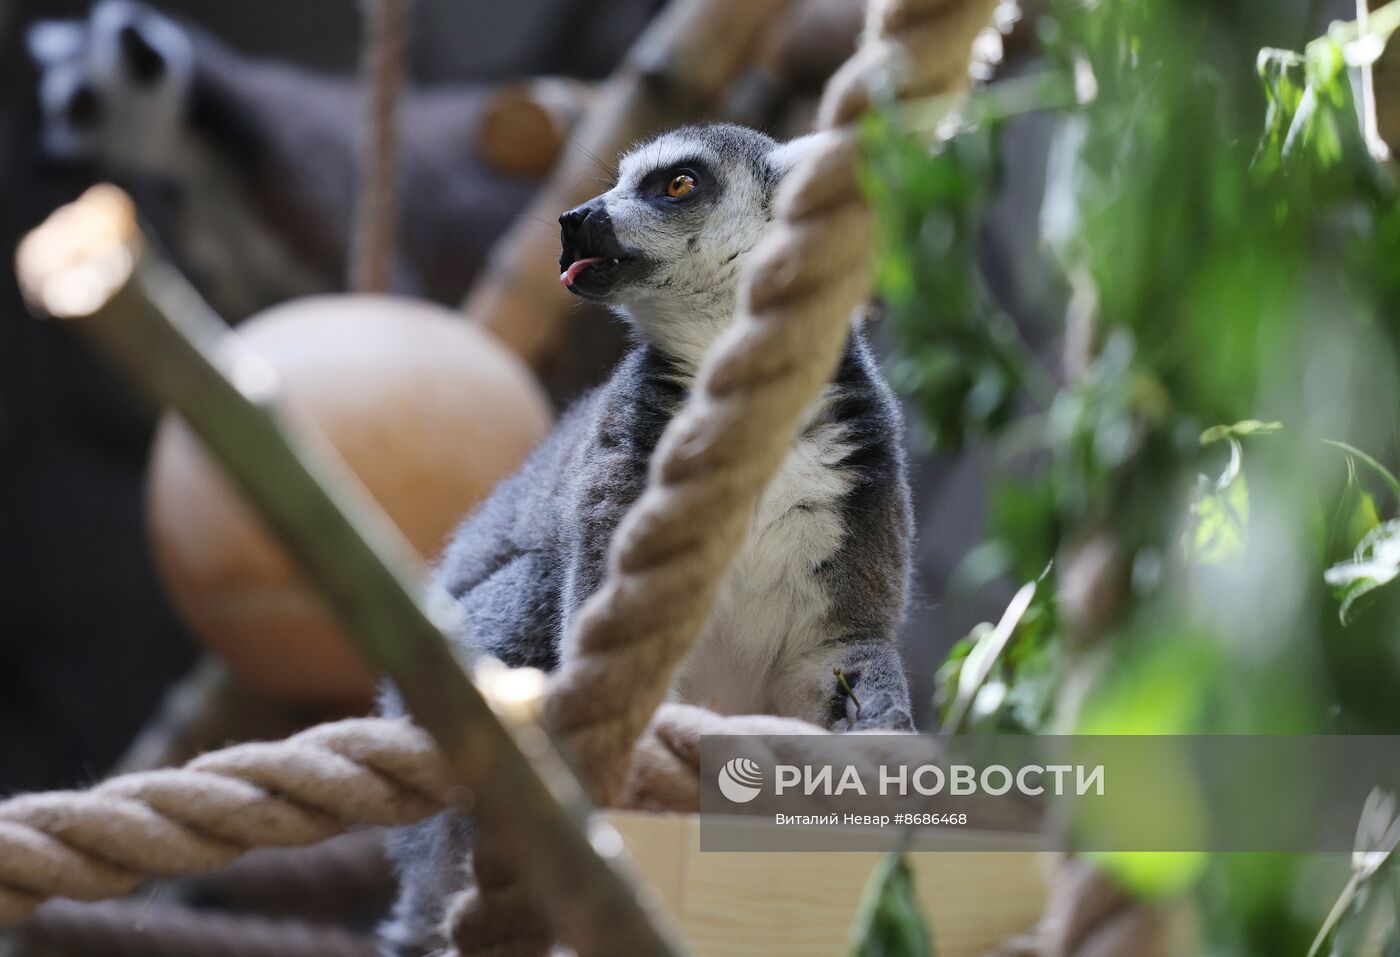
{"x": 772, "y": 606}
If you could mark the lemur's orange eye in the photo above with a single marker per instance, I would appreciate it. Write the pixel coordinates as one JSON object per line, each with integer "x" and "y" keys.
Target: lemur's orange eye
{"x": 679, "y": 186}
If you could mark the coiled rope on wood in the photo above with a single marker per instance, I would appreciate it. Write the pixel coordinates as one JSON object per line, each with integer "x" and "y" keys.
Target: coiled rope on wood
{"x": 70, "y": 843}
{"x": 107, "y": 841}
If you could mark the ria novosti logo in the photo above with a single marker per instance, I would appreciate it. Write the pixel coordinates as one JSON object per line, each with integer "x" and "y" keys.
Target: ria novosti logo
{"x": 740, "y": 780}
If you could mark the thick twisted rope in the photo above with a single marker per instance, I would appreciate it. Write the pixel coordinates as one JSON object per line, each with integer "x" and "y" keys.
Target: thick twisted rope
{"x": 670, "y": 554}
{"x": 106, "y": 841}
{"x": 109, "y": 840}
{"x": 382, "y": 71}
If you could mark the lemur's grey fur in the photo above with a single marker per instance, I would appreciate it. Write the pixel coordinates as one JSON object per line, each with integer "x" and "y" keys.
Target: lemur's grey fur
{"x": 820, "y": 582}
{"x": 258, "y": 160}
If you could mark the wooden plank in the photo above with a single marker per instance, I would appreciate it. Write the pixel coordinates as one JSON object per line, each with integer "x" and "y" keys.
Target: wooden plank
{"x": 800, "y": 904}
{"x": 658, "y": 845}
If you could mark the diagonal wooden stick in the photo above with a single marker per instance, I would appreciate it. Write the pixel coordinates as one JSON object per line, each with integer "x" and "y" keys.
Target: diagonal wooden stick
{"x": 89, "y": 261}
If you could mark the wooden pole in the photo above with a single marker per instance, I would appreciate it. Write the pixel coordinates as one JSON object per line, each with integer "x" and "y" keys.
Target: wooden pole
{"x": 90, "y": 262}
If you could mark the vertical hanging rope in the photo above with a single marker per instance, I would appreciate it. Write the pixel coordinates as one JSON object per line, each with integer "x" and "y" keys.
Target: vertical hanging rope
{"x": 382, "y": 74}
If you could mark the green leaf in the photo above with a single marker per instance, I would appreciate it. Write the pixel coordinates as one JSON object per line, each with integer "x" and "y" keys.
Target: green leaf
{"x": 888, "y": 922}
{"x": 949, "y": 674}
{"x": 1334, "y": 917}
{"x": 1375, "y": 563}
{"x": 1370, "y": 462}
{"x": 1220, "y": 517}
{"x": 1246, "y": 427}
{"x": 962, "y": 357}
{"x": 1280, "y": 72}
{"x": 1362, "y": 517}
{"x": 1312, "y": 115}
{"x": 1030, "y": 699}
{"x": 1220, "y": 513}
{"x": 1154, "y": 875}
{"x": 989, "y": 645}
{"x": 1160, "y": 689}
{"x": 1377, "y": 834}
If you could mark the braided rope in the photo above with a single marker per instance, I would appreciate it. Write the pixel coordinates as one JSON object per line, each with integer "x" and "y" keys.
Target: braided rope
{"x": 106, "y": 841}
{"x": 382, "y": 68}
{"x": 382, "y": 771}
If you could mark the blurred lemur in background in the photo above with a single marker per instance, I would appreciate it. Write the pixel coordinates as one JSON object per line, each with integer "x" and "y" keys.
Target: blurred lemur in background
{"x": 820, "y": 581}
{"x": 261, "y": 157}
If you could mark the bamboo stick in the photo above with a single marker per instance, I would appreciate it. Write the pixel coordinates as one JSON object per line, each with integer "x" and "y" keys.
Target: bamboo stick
{"x": 90, "y": 262}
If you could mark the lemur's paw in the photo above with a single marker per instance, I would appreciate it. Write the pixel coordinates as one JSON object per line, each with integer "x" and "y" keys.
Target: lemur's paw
{"x": 877, "y": 711}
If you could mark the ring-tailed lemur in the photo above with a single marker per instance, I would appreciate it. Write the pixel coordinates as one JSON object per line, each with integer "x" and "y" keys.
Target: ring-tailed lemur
{"x": 820, "y": 581}
{"x": 261, "y": 157}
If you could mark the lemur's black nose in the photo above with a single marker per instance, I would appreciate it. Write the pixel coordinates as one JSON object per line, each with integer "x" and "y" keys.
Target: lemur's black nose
{"x": 574, "y": 218}
{"x": 587, "y": 228}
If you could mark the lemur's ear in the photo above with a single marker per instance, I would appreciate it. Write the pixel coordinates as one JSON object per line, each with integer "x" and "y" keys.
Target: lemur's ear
{"x": 53, "y": 41}
{"x": 785, "y": 156}
{"x": 143, "y": 61}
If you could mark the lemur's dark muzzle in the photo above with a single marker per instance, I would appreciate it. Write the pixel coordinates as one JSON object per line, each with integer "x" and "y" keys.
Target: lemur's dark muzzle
{"x": 592, "y": 260}
{"x": 586, "y": 230}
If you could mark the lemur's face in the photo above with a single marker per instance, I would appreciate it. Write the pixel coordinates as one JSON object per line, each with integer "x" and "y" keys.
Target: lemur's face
{"x": 667, "y": 242}
{"x": 113, "y": 87}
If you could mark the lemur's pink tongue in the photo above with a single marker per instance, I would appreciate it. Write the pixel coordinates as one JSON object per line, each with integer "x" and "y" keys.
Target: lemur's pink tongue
{"x": 568, "y": 276}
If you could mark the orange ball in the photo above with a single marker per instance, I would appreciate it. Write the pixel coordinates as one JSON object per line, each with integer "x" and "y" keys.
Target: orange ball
{"x": 429, "y": 412}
